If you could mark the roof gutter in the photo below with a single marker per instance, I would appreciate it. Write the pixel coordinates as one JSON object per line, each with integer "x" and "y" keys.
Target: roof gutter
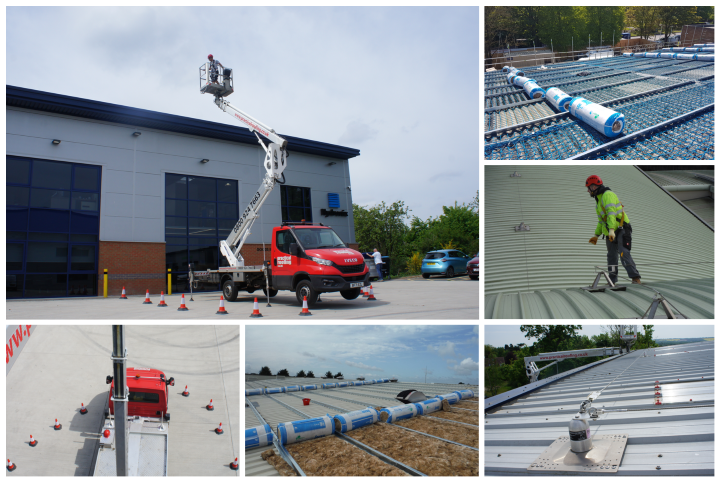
{"x": 674, "y": 198}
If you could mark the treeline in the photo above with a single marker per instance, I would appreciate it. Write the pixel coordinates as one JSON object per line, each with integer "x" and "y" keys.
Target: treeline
{"x": 551, "y": 338}
{"x": 566, "y": 27}
{"x": 301, "y": 374}
{"x": 406, "y": 238}
{"x": 679, "y": 341}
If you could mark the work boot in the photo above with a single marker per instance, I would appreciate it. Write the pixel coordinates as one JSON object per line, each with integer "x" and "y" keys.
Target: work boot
{"x": 636, "y": 280}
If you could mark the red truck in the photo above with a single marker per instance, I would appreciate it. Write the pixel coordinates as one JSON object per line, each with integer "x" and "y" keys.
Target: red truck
{"x": 148, "y": 395}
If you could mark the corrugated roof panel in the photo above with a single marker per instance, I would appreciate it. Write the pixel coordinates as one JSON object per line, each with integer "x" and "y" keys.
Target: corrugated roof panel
{"x": 677, "y": 436}
{"x": 678, "y": 177}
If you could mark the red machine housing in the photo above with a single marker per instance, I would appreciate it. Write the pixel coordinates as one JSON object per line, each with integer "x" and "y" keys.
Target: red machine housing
{"x": 148, "y": 395}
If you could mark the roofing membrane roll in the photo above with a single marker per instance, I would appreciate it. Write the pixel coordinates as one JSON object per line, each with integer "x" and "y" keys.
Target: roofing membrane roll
{"x": 352, "y": 420}
{"x": 533, "y": 90}
{"x": 608, "y": 122}
{"x": 343, "y": 384}
{"x": 356, "y": 383}
{"x": 452, "y": 398}
{"x": 686, "y": 56}
{"x": 299, "y": 430}
{"x": 309, "y": 387}
{"x": 254, "y": 391}
{"x": 329, "y": 385}
{"x": 429, "y": 406}
{"x": 399, "y": 412}
{"x": 259, "y": 436}
{"x": 706, "y": 58}
{"x": 293, "y": 388}
{"x": 275, "y": 390}
{"x": 667, "y": 55}
{"x": 465, "y": 394}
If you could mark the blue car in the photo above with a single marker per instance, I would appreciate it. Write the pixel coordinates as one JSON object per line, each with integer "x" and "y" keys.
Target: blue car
{"x": 444, "y": 262}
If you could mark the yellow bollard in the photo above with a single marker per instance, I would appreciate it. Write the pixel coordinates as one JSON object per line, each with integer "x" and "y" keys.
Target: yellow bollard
{"x": 169, "y": 281}
{"x": 105, "y": 282}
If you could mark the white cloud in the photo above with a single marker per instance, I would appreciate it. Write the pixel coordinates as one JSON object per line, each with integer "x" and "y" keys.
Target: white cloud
{"x": 476, "y": 329}
{"x": 444, "y": 349}
{"x": 466, "y": 367}
{"x": 450, "y": 361}
{"x": 362, "y": 365}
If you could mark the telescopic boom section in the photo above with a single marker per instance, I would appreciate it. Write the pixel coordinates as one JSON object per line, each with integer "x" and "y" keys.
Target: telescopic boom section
{"x": 275, "y": 163}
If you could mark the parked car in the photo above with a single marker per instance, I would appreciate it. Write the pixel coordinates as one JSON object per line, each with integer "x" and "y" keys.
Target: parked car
{"x": 444, "y": 262}
{"x": 473, "y": 268}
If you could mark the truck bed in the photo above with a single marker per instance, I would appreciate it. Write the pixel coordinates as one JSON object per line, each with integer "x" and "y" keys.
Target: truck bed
{"x": 147, "y": 451}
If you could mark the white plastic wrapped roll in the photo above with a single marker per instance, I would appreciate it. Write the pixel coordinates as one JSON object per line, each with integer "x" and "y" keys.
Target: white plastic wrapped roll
{"x": 465, "y": 394}
{"x": 292, "y": 388}
{"x": 608, "y": 122}
{"x": 533, "y": 90}
{"x": 343, "y": 384}
{"x": 309, "y": 387}
{"x": 520, "y": 81}
{"x": 400, "y": 412}
{"x": 429, "y": 406}
{"x": 356, "y": 383}
{"x": 626, "y": 54}
{"x": 558, "y": 99}
{"x": 299, "y": 430}
{"x": 505, "y": 69}
{"x": 352, "y": 420}
{"x": 667, "y": 55}
{"x": 452, "y": 398}
{"x": 706, "y": 58}
{"x": 686, "y": 56}
{"x": 329, "y": 385}
{"x": 691, "y": 49}
{"x": 275, "y": 390}
{"x": 254, "y": 391}
{"x": 706, "y": 49}
{"x": 260, "y": 436}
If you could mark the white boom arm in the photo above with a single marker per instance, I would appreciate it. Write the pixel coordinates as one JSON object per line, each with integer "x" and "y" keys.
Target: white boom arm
{"x": 275, "y": 163}
{"x": 533, "y": 371}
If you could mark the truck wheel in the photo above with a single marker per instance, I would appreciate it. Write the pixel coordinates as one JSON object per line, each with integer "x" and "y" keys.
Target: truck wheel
{"x": 351, "y": 294}
{"x": 273, "y": 292}
{"x": 304, "y": 289}
{"x": 450, "y": 273}
{"x": 230, "y": 291}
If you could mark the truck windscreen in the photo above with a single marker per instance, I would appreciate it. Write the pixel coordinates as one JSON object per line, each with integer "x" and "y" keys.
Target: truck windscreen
{"x": 144, "y": 397}
{"x": 311, "y": 238}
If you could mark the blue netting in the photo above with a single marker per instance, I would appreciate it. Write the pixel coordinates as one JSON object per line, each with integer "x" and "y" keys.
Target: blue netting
{"x": 508, "y": 99}
{"x": 625, "y": 90}
{"x": 515, "y": 115}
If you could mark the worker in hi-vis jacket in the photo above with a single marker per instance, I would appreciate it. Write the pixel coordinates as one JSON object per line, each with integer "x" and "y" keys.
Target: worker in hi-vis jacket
{"x": 614, "y": 224}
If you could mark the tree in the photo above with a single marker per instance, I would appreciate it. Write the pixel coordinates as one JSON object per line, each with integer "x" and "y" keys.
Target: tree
{"x": 671, "y": 17}
{"x": 310, "y": 374}
{"x": 489, "y": 351}
{"x": 338, "y": 375}
{"x": 644, "y": 19}
{"x": 550, "y": 337}
{"x": 493, "y": 380}
{"x": 528, "y": 20}
{"x": 614, "y": 332}
{"x": 558, "y": 25}
{"x": 301, "y": 374}
{"x": 706, "y": 14}
{"x": 283, "y": 373}
{"x": 644, "y": 339}
{"x": 501, "y": 28}
{"x": 265, "y": 371}
{"x": 383, "y": 227}
{"x": 602, "y": 340}
{"x": 328, "y": 374}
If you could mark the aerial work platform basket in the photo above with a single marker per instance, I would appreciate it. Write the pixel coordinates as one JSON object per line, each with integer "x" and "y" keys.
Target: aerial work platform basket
{"x": 216, "y": 81}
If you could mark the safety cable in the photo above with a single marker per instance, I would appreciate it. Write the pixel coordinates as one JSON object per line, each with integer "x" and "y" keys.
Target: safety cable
{"x": 633, "y": 363}
{"x": 522, "y": 217}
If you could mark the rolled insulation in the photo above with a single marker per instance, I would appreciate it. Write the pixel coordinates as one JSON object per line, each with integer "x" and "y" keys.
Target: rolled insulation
{"x": 275, "y": 390}
{"x": 704, "y": 45}
{"x": 367, "y": 382}
{"x": 429, "y": 406}
{"x": 293, "y": 388}
{"x": 343, "y": 384}
{"x": 352, "y": 420}
{"x": 608, "y": 122}
{"x": 533, "y": 90}
{"x": 465, "y": 394}
{"x": 692, "y": 49}
{"x": 309, "y": 387}
{"x": 452, "y": 398}
{"x": 356, "y": 383}
{"x": 299, "y": 430}
{"x": 627, "y": 54}
{"x": 667, "y": 55}
{"x": 260, "y": 436}
{"x": 399, "y": 412}
{"x": 329, "y": 385}
{"x": 254, "y": 391}
{"x": 653, "y": 55}
{"x": 686, "y": 56}
{"x": 706, "y": 58}
{"x": 385, "y": 380}
{"x": 520, "y": 81}
{"x": 706, "y": 49}
{"x": 505, "y": 69}
{"x": 373, "y": 382}
{"x": 511, "y": 76}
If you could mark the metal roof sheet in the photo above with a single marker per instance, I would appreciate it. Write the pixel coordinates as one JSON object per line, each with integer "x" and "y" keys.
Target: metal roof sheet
{"x": 680, "y": 177}
{"x": 546, "y": 265}
{"x": 677, "y": 436}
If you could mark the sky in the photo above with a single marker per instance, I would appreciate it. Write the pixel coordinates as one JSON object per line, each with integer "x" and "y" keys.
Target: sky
{"x": 501, "y": 335}
{"x": 447, "y": 353}
{"x": 399, "y": 84}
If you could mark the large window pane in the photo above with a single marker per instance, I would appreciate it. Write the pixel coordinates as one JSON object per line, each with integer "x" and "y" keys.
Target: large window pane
{"x": 176, "y": 226}
{"x": 294, "y": 197}
{"x": 176, "y": 207}
{"x": 203, "y": 258}
{"x": 227, "y": 191}
{"x": 297, "y": 214}
{"x": 176, "y": 257}
{"x": 43, "y": 198}
{"x": 16, "y": 218}
{"x": 50, "y": 220}
{"x": 86, "y": 178}
{"x": 175, "y": 186}
{"x": 85, "y": 222}
{"x": 16, "y": 236}
{"x": 48, "y": 237}
{"x": 227, "y": 210}
{"x": 202, "y": 227}
{"x": 47, "y": 257}
{"x": 17, "y": 196}
{"x": 51, "y": 174}
{"x": 83, "y": 284}
{"x": 17, "y": 171}
{"x": 86, "y": 202}
{"x": 83, "y": 257}
{"x": 224, "y": 227}
{"x": 204, "y": 241}
{"x": 14, "y": 256}
{"x": 306, "y": 196}
{"x": 202, "y": 209}
{"x": 14, "y": 285}
{"x": 49, "y": 285}
{"x": 202, "y": 189}
{"x": 84, "y": 238}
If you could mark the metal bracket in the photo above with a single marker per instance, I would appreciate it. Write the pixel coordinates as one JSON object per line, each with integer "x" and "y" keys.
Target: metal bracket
{"x": 604, "y": 457}
{"x": 596, "y": 287}
{"x": 522, "y": 227}
{"x": 659, "y": 301}
{"x": 516, "y": 174}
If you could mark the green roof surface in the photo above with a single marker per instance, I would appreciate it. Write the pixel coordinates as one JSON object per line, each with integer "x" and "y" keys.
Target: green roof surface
{"x": 538, "y": 273}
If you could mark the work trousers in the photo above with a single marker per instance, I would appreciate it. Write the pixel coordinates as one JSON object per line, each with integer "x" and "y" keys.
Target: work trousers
{"x": 613, "y": 249}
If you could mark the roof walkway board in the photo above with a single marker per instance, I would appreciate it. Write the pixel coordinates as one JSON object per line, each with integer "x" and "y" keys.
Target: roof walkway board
{"x": 674, "y": 438}
{"x": 538, "y": 273}
{"x": 273, "y": 410}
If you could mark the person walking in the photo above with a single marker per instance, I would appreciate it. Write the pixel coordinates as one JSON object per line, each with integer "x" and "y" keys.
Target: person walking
{"x": 614, "y": 224}
{"x": 378, "y": 263}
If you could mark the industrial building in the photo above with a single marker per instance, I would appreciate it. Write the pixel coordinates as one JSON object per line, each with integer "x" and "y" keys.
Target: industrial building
{"x": 667, "y": 103}
{"x": 538, "y": 220}
{"x": 93, "y": 186}
{"x": 653, "y": 408}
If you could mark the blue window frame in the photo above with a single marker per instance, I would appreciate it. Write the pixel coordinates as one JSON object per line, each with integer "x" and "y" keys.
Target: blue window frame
{"x": 199, "y": 212}
{"x": 295, "y": 204}
{"x": 52, "y": 224}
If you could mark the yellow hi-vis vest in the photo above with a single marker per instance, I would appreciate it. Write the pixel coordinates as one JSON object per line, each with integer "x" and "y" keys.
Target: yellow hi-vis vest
{"x": 610, "y": 212}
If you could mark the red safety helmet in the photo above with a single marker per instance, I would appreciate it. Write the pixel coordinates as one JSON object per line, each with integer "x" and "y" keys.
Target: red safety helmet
{"x": 593, "y": 180}
{"x": 210, "y": 57}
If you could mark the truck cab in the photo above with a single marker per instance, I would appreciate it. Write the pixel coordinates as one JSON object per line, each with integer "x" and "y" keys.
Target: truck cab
{"x": 148, "y": 393}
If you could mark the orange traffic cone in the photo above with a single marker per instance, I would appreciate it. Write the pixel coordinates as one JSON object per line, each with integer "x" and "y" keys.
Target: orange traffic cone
{"x": 256, "y": 311}
{"x": 221, "y": 310}
{"x": 371, "y": 296}
{"x": 219, "y": 430}
{"x": 233, "y": 465}
{"x": 162, "y": 300}
{"x": 147, "y": 298}
{"x": 123, "y": 296}
{"x": 182, "y": 308}
{"x": 83, "y": 410}
{"x": 57, "y": 425}
{"x": 33, "y": 442}
{"x": 11, "y": 466}
{"x": 365, "y": 291}
{"x": 210, "y": 407}
{"x": 304, "y": 312}
{"x": 186, "y": 393}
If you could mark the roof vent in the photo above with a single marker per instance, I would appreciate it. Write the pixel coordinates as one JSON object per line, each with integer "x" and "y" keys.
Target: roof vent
{"x": 515, "y": 174}
{"x": 522, "y": 227}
